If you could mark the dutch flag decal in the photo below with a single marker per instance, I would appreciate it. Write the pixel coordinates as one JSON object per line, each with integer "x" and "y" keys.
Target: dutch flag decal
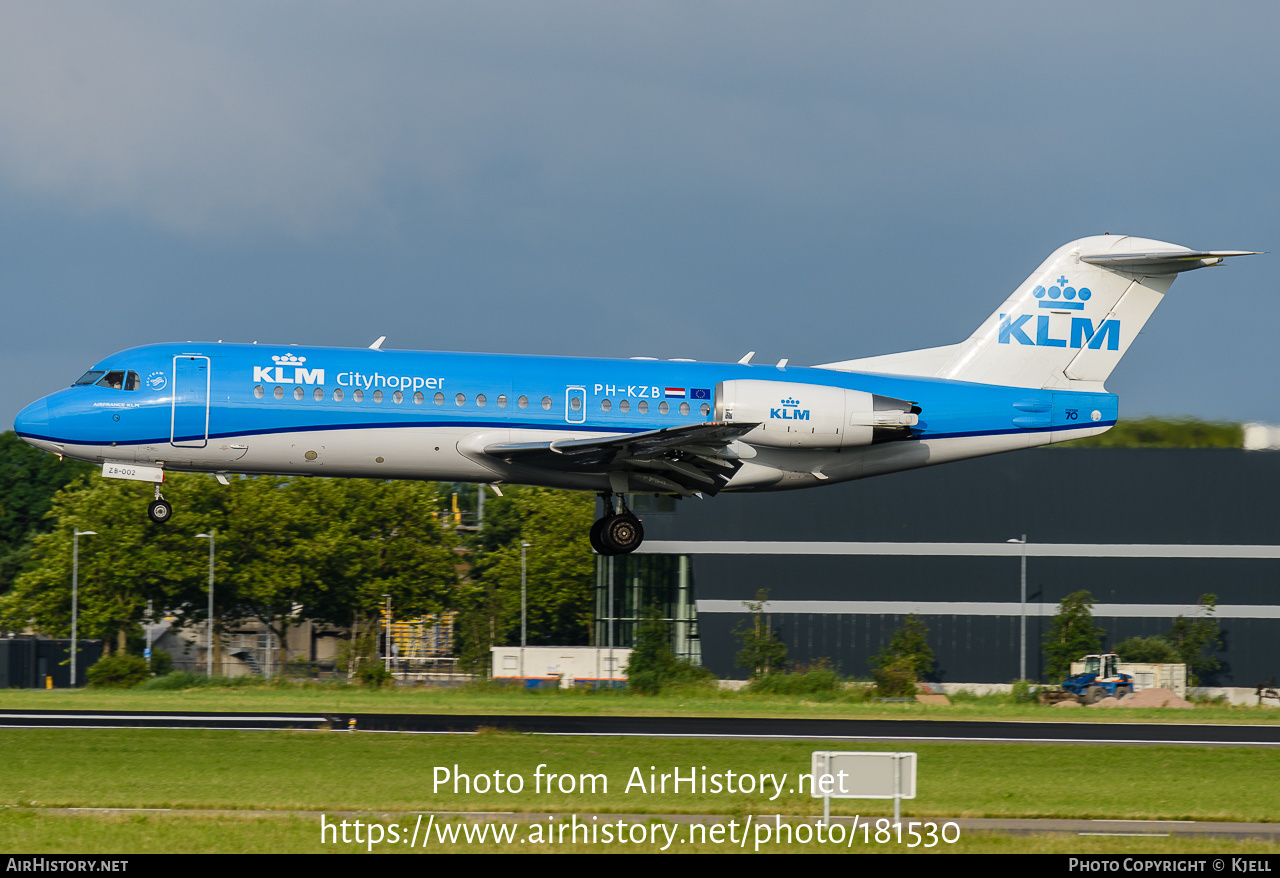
{"x": 675, "y": 393}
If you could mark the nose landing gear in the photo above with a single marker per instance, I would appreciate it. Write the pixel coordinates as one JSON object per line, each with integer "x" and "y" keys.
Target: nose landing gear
{"x": 618, "y": 531}
{"x": 159, "y": 511}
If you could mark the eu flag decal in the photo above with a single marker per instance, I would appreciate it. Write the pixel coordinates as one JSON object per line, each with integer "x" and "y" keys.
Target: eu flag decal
{"x": 699, "y": 393}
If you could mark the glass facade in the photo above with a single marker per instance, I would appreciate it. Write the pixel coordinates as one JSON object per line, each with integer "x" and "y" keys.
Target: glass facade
{"x": 641, "y": 581}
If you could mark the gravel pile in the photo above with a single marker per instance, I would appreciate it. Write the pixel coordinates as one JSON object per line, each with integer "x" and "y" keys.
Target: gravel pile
{"x": 1154, "y": 698}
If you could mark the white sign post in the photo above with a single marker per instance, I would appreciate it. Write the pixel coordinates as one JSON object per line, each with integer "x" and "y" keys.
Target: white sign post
{"x": 863, "y": 775}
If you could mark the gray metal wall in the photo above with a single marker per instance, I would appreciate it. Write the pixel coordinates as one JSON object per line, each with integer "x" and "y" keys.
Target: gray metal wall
{"x": 1086, "y": 496}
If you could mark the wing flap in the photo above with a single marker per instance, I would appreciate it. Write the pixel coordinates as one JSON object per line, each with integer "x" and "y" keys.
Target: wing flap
{"x": 677, "y": 460}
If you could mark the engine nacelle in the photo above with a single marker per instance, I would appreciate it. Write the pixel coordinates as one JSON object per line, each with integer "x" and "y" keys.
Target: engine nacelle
{"x": 793, "y": 415}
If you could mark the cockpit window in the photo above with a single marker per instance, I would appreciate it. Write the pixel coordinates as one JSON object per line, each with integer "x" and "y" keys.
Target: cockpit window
{"x": 118, "y": 380}
{"x": 88, "y": 378}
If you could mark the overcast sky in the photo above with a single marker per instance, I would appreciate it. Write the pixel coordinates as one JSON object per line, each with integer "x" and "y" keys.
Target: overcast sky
{"x": 811, "y": 180}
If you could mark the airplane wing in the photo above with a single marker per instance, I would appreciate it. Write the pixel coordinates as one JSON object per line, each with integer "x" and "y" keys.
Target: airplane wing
{"x": 677, "y": 460}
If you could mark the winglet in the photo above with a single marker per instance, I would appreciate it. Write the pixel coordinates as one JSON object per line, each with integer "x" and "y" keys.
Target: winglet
{"x": 377, "y": 345}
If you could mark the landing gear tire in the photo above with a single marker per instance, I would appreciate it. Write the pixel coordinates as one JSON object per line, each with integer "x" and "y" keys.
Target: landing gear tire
{"x": 597, "y": 542}
{"x": 620, "y": 534}
{"x": 159, "y": 511}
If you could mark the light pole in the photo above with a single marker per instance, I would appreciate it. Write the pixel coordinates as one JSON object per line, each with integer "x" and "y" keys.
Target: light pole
{"x": 75, "y": 592}
{"x": 609, "y": 617}
{"x": 1022, "y": 662}
{"x": 211, "y": 536}
{"x": 524, "y": 599}
{"x": 386, "y": 640}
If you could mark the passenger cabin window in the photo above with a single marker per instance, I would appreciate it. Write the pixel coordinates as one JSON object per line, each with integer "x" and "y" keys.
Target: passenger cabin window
{"x": 278, "y": 393}
{"x": 546, "y": 403}
{"x": 643, "y": 406}
{"x": 523, "y": 402}
{"x": 418, "y": 398}
{"x": 357, "y": 395}
{"x": 438, "y": 399}
{"x": 397, "y": 397}
{"x": 337, "y": 394}
{"x": 502, "y": 401}
{"x": 377, "y": 396}
{"x": 624, "y": 405}
{"x": 258, "y": 392}
{"x": 297, "y": 393}
{"x": 664, "y": 407}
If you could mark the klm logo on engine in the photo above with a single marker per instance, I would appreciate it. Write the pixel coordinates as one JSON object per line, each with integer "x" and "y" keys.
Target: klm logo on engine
{"x": 298, "y": 374}
{"x": 789, "y": 411}
{"x": 1081, "y": 333}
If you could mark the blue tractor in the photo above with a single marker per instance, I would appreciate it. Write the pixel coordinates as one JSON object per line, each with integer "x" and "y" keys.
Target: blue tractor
{"x": 1101, "y": 677}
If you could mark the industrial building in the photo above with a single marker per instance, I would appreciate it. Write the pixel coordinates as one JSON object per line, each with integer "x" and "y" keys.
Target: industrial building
{"x": 1145, "y": 531}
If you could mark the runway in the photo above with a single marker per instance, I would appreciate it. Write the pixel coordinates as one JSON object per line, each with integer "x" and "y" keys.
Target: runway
{"x": 1065, "y": 732}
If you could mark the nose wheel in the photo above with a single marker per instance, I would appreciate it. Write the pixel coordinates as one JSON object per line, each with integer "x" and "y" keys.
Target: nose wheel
{"x": 618, "y": 531}
{"x": 159, "y": 511}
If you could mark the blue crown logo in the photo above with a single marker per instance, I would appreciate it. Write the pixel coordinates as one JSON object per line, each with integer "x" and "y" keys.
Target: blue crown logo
{"x": 791, "y": 402}
{"x": 1063, "y": 296}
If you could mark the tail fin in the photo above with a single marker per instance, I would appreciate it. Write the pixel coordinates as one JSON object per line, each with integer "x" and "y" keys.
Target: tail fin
{"x": 1070, "y": 321}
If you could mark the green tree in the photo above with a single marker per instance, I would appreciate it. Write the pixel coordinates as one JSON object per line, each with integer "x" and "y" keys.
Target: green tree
{"x": 287, "y": 550}
{"x": 1165, "y": 433}
{"x": 763, "y": 652}
{"x": 560, "y": 569}
{"x": 905, "y": 661}
{"x": 1155, "y": 650}
{"x": 29, "y": 479}
{"x": 128, "y": 562}
{"x": 1196, "y": 639}
{"x": 1072, "y": 634}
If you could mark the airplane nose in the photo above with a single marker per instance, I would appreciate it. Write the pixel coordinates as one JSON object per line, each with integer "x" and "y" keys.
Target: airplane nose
{"x": 33, "y": 420}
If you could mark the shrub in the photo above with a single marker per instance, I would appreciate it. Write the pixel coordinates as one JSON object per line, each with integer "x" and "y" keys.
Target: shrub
{"x": 374, "y": 674}
{"x": 905, "y": 660}
{"x": 816, "y": 679}
{"x": 896, "y": 678}
{"x": 653, "y": 666}
{"x": 119, "y": 671}
{"x": 161, "y": 663}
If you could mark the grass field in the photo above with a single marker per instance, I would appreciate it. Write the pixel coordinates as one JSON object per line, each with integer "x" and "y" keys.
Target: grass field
{"x": 334, "y": 771}
{"x": 34, "y": 832}
{"x": 234, "y": 773}
{"x": 486, "y": 700}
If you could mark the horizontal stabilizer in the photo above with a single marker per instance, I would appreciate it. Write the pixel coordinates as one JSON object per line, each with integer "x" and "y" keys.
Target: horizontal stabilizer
{"x": 1166, "y": 262}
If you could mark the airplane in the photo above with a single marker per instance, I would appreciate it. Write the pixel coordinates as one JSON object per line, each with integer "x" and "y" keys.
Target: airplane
{"x": 1031, "y": 374}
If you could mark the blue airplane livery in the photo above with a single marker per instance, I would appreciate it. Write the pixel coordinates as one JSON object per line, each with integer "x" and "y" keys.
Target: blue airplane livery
{"x": 1031, "y": 374}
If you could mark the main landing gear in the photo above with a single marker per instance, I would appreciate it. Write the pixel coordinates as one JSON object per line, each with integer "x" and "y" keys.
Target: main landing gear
{"x": 618, "y": 532}
{"x": 159, "y": 511}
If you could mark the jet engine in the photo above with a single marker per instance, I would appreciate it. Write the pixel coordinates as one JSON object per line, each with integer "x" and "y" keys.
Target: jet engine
{"x": 793, "y": 415}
